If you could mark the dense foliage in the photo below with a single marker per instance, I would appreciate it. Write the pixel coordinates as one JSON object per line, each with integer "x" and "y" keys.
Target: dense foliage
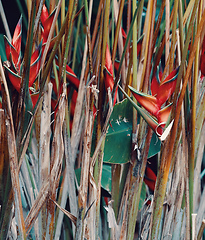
{"x": 102, "y": 109}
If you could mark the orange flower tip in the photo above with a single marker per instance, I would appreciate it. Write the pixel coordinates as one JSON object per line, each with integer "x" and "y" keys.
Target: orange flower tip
{"x": 163, "y": 113}
{"x": 47, "y": 24}
{"x": 16, "y": 41}
{"x": 44, "y": 14}
{"x": 167, "y": 87}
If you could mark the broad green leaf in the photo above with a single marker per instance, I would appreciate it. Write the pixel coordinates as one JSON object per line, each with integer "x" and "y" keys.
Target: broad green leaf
{"x": 155, "y": 145}
{"x": 119, "y": 137}
{"x": 106, "y": 180}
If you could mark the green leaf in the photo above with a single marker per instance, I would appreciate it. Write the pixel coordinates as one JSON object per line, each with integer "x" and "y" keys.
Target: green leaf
{"x": 106, "y": 180}
{"x": 119, "y": 137}
{"x": 106, "y": 177}
{"x": 2, "y": 48}
{"x": 142, "y": 196}
{"x": 144, "y": 114}
{"x": 155, "y": 146}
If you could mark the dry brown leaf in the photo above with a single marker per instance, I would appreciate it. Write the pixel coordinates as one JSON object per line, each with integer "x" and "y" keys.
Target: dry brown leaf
{"x": 68, "y": 214}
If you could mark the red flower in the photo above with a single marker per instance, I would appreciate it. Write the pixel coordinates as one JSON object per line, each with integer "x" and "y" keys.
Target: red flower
{"x": 161, "y": 92}
{"x": 202, "y": 60}
{"x": 13, "y": 55}
{"x": 109, "y": 80}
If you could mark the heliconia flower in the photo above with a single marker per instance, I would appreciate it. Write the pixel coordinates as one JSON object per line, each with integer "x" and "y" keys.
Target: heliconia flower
{"x": 71, "y": 77}
{"x": 109, "y": 80}
{"x": 151, "y": 121}
{"x": 73, "y": 102}
{"x": 46, "y": 21}
{"x": 149, "y": 102}
{"x": 163, "y": 113}
{"x": 44, "y": 14}
{"x": 35, "y": 65}
{"x": 13, "y": 49}
{"x": 14, "y": 78}
{"x": 156, "y": 81}
{"x": 73, "y": 81}
{"x": 139, "y": 43}
{"x": 167, "y": 87}
{"x": 162, "y": 91}
{"x": 124, "y": 36}
{"x": 13, "y": 55}
{"x": 150, "y": 178}
{"x": 34, "y": 97}
{"x": 16, "y": 40}
{"x": 202, "y": 60}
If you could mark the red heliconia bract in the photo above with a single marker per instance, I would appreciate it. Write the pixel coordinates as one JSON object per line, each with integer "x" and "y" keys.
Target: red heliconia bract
{"x": 44, "y": 14}
{"x": 150, "y": 178}
{"x": 109, "y": 81}
{"x": 147, "y": 101}
{"x": 34, "y": 98}
{"x": 14, "y": 78}
{"x": 46, "y": 21}
{"x": 13, "y": 49}
{"x": 16, "y": 41}
{"x": 71, "y": 78}
{"x": 139, "y": 43}
{"x": 35, "y": 65}
{"x": 13, "y": 55}
{"x": 156, "y": 82}
{"x": 161, "y": 92}
{"x": 163, "y": 113}
{"x": 167, "y": 87}
{"x": 202, "y": 60}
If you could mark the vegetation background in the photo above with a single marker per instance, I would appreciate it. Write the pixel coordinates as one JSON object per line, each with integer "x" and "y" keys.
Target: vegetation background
{"x": 102, "y": 108}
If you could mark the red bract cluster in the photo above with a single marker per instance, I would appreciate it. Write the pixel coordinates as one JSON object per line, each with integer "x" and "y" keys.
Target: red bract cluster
{"x": 109, "y": 79}
{"x": 15, "y": 64}
{"x": 161, "y": 91}
{"x": 13, "y": 54}
{"x": 47, "y": 21}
